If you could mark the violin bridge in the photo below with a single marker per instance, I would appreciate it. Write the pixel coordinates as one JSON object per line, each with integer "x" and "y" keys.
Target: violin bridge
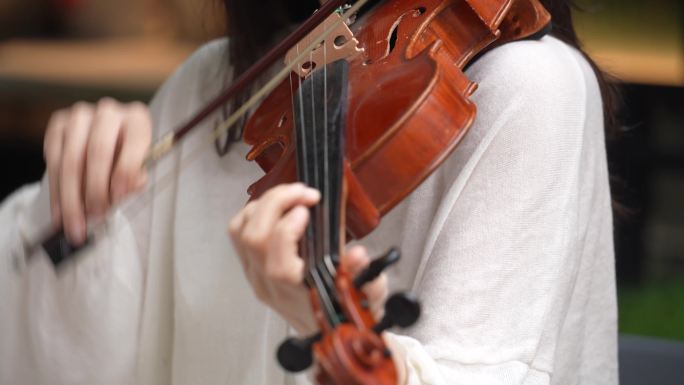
{"x": 339, "y": 44}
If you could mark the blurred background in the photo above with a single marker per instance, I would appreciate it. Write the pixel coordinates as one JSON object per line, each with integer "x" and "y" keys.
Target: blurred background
{"x": 55, "y": 52}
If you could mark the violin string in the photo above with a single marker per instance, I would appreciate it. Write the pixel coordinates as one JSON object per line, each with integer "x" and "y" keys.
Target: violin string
{"x": 311, "y": 175}
{"x": 326, "y": 165}
{"x": 316, "y": 164}
{"x": 319, "y": 181}
{"x": 304, "y": 243}
{"x": 326, "y": 187}
{"x": 304, "y": 169}
{"x": 323, "y": 267}
{"x": 166, "y": 143}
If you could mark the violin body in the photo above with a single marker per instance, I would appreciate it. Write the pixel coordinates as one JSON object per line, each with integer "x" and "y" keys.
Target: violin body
{"x": 401, "y": 108}
{"x": 409, "y": 102}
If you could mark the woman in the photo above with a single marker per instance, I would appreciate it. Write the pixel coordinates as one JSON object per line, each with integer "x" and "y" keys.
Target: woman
{"x": 508, "y": 244}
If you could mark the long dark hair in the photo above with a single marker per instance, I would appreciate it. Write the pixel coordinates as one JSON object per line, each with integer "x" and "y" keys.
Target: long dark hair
{"x": 253, "y": 25}
{"x": 564, "y": 30}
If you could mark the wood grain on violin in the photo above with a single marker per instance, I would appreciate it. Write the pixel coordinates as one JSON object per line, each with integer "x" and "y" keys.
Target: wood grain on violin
{"x": 402, "y": 109}
{"x": 408, "y": 103}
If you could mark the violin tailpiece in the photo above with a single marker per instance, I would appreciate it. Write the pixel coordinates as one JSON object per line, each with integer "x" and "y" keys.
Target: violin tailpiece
{"x": 340, "y": 44}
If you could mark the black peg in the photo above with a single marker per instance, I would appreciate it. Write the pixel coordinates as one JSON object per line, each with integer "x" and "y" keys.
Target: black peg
{"x": 401, "y": 309}
{"x": 376, "y": 267}
{"x": 295, "y": 355}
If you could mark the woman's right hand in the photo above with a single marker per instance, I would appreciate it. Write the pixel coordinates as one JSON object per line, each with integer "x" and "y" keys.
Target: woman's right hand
{"x": 94, "y": 155}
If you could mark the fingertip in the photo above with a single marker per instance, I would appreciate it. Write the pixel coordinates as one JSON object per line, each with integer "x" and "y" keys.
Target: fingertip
{"x": 356, "y": 259}
{"x": 358, "y": 252}
{"x": 309, "y": 194}
{"x": 297, "y": 221}
{"x": 118, "y": 190}
{"x": 76, "y": 232}
{"x": 95, "y": 211}
{"x": 300, "y": 213}
{"x": 313, "y": 194}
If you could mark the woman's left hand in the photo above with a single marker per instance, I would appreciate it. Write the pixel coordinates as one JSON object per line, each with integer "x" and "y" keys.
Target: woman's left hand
{"x": 266, "y": 234}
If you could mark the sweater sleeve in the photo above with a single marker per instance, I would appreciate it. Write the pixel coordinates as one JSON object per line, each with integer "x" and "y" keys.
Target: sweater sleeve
{"x": 80, "y": 324}
{"x": 502, "y": 253}
{"x": 51, "y": 321}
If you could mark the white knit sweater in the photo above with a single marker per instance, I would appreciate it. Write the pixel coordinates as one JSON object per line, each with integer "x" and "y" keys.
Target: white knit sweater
{"x": 508, "y": 245}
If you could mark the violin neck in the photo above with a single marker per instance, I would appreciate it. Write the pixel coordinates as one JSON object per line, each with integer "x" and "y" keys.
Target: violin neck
{"x": 320, "y": 111}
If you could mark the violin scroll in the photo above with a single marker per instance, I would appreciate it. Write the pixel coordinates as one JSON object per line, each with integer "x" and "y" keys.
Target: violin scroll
{"x": 353, "y": 353}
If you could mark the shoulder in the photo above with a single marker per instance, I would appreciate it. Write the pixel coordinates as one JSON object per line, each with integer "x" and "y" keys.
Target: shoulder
{"x": 207, "y": 62}
{"x": 543, "y": 90}
{"x": 539, "y": 111}
{"x": 201, "y": 76}
{"x": 525, "y": 68}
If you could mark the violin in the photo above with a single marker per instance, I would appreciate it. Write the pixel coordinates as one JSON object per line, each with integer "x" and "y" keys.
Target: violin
{"x": 365, "y": 118}
{"x": 371, "y": 100}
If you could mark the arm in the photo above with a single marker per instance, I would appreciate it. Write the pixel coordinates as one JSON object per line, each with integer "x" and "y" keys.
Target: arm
{"x": 86, "y": 323}
{"x": 513, "y": 228}
{"x": 69, "y": 326}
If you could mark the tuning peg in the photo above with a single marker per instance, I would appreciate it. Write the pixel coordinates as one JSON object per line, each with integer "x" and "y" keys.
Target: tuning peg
{"x": 401, "y": 309}
{"x": 295, "y": 355}
{"x": 376, "y": 267}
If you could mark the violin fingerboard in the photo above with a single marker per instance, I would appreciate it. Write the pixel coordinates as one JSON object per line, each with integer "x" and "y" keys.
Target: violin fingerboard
{"x": 320, "y": 110}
